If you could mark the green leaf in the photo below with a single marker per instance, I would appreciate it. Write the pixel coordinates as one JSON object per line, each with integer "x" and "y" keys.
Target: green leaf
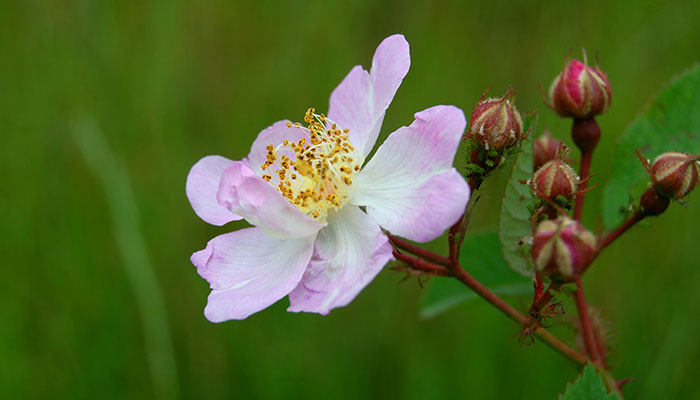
{"x": 588, "y": 386}
{"x": 671, "y": 123}
{"x": 514, "y": 220}
{"x": 481, "y": 256}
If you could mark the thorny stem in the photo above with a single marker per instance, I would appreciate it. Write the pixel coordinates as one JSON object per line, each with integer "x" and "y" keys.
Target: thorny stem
{"x": 586, "y": 326}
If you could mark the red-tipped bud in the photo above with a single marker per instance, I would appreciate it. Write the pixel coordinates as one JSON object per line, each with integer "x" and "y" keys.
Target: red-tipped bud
{"x": 555, "y": 178}
{"x": 562, "y": 248}
{"x": 496, "y": 123}
{"x": 674, "y": 174}
{"x": 545, "y": 149}
{"x": 580, "y": 91}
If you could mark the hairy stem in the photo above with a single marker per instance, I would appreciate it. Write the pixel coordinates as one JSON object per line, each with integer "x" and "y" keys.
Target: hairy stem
{"x": 586, "y": 326}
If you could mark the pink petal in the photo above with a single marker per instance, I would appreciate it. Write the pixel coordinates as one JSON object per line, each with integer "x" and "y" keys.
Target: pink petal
{"x": 273, "y": 135}
{"x": 390, "y": 65}
{"x": 249, "y": 271}
{"x": 202, "y": 186}
{"x": 348, "y": 254}
{"x": 248, "y": 195}
{"x": 361, "y": 99}
{"x": 573, "y": 80}
{"x": 410, "y": 187}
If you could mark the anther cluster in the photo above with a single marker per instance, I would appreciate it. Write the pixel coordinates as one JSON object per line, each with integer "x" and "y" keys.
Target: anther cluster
{"x": 314, "y": 174}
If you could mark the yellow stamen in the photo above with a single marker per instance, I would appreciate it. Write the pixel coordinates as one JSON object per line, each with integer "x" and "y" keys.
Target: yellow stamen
{"x": 320, "y": 166}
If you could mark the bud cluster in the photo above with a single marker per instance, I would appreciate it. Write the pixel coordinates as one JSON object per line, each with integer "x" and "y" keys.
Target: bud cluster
{"x": 562, "y": 248}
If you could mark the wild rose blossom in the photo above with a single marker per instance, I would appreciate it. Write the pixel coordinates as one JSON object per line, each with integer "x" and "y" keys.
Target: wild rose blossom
{"x": 302, "y": 187}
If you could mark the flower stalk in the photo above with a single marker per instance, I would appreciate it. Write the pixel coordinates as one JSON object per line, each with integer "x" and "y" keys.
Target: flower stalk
{"x": 586, "y": 134}
{"x": 455, "y": 236}
{"x": 421, "y": 265}
{"x": 589, "y": 338}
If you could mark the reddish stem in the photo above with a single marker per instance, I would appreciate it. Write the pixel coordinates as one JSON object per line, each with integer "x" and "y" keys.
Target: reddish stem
{"x": 586, "y": 134}
{"x": 464, "y": 277}
{"x": 612, "y": 236}
{"x": 420, "y": 264}
{"x": 455, "y": 237}
{"x": 539, "y": 288}
{"x": 419, "y": 251}
{"x": 584, "y": 172}
{"x": 601, "y": 350}
{"x": 539, "y": 303}
{"x": 586, "y": 326}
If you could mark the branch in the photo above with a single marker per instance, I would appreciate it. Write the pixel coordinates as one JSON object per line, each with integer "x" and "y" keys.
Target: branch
{"x": 421, "y": 265}
{"x": 455, "y": 237}
{"x": 589, "y": 338}
{"x": 612, "y": 236}
{"x": 463, "y": 276}
{"x": 419, "y": 251}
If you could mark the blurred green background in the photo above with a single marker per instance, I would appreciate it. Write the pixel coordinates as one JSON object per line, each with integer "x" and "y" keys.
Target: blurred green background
{"x": 167, "y": 82}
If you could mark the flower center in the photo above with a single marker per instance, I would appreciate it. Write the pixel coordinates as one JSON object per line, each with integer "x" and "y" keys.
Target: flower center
{"x": 315, "y": 175}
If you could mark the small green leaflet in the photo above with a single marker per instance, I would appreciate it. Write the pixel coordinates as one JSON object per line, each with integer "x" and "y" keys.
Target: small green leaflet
{"x": 671, "y": 123}
{"x": 481, "y": 256}
{"x": 514, "y": 220}
{"x": 588, "y": 386}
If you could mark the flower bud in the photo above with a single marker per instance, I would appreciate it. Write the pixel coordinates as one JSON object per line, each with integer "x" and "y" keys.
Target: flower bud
{"x": 545, "y": 149}
{"x": 580, "y": 91}
{"x": 555, "y": 178}
{"x": 562, "y": 248}
{"x": 496, "y": 123}
{"x": 674, "y": 174}
{"x": 652, "y": 204}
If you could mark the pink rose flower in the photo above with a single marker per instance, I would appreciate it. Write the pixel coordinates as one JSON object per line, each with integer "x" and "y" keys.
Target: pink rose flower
{"x": 317, "y": 207}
